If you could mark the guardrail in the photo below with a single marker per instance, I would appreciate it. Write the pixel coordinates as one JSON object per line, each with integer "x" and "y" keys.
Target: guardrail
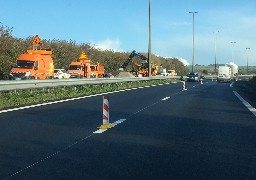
{"x": 37, "y": 84}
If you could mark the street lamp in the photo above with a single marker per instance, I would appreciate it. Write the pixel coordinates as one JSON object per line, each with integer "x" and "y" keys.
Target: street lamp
{"x": 233, "y": 43}
{"x": 215, "y": 51}
{"x": 247, "y": 59}
{"x": 149, "y": 40}
{"x": 193, "y": 53}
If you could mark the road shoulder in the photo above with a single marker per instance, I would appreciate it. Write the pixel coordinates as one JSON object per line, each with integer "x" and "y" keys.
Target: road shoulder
{"x": 246, "y": 91}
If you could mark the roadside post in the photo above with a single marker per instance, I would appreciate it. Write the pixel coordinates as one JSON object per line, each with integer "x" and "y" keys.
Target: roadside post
{"x": 184, "y": 86}
{"x": 184, "y": 83}
{"x": 106, "y": 124}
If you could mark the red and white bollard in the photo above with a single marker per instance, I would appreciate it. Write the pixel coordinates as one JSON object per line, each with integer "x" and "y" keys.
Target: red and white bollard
{"x": 105, "y": 110}
{"x": 106, "y": 123}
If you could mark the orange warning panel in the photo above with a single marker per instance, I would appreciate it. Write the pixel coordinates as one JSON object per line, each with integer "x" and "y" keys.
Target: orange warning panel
{"x": 36, "y": 41}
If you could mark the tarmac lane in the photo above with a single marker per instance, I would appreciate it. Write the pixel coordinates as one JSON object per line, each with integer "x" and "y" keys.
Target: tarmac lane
{"x": 160, "y": 132}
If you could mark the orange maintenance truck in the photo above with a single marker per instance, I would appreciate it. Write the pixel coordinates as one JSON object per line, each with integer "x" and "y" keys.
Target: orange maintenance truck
{"x": 84, "y": 69}
{"x": 35, "y": 64}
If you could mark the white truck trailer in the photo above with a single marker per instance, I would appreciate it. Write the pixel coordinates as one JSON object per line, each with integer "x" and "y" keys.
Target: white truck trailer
{"x": 224, "y": 74}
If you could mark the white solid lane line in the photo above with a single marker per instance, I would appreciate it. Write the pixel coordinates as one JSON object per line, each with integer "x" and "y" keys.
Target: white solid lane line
{"x": 252, "y": 109}
{"x": 71, "y": 99}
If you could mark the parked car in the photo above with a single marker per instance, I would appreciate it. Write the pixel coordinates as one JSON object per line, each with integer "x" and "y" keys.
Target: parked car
{"x": 193, "y": 76}
{"x": 61, "y": 74}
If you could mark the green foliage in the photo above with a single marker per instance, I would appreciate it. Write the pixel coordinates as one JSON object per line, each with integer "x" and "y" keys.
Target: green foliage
{"x": 24, "y": 97}
{"x": 65, "y": 52}
{"x": 205, "y": 72}
{"x": 10, "y": 48}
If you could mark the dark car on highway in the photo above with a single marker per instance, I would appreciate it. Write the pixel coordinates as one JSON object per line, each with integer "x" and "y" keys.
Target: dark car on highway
{"x": 193, "y": 76}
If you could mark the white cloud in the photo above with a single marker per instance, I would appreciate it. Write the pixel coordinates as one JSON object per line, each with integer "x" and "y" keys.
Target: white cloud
{"x": 108, "y": 44}
{"x": 184, "y": 61}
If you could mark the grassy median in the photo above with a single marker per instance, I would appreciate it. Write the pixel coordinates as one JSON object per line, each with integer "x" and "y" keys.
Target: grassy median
{"x": 33, "y": 96}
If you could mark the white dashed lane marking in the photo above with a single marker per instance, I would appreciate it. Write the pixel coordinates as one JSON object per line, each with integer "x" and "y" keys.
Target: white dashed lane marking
{"x": 113, "y": 124}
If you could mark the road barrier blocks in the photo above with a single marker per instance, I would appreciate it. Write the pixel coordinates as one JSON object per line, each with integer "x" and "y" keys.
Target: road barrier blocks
{"x": 106, "y": 124}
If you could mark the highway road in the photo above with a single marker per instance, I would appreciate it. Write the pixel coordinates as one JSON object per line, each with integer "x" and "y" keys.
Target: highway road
{"x": 161, "y": 132}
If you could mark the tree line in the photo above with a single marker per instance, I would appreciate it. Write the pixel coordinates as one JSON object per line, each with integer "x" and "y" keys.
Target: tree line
{"x": 64, "y": 52}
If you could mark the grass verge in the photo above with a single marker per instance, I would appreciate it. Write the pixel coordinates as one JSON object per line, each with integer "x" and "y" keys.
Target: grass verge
{"x": 33, "y": 96}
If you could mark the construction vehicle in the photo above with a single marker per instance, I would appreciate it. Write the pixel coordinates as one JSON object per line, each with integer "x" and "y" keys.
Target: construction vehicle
{"x": 84, "y": 69}
{"x": 172, "y": 72}
{"x": 141, "y": 69}
{"x": 35, "y": 64}
{"x": 159, "y": 70}
{"x": 168, "y": 72}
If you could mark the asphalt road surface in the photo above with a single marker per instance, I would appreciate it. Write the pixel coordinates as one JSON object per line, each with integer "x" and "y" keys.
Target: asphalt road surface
{"x": 161, "y": 132}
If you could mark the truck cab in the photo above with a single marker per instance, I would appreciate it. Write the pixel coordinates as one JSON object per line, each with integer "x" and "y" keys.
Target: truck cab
{"x": 84, "y": 69}
{"x": 35, "y": 64}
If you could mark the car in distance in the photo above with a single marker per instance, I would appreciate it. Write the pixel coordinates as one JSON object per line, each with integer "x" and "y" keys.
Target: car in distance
{"x": 193, "y": 76}
{"x": 202, "y": 77}
{"x": 61, "y": 74}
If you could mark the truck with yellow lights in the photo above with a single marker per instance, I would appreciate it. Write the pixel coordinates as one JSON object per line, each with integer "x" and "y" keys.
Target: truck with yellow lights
{"x": 37, "y": 63}
{"x": 83, "y": 68}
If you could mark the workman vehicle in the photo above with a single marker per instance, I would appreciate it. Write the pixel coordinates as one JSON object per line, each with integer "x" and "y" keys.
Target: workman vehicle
{"x": 83, "y": 68}
{"x": 37, "y": 63}
{"x": 141, "y": 69}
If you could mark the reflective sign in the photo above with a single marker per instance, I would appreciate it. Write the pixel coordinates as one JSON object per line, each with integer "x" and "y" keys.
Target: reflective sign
{"x": 36, "y": 41}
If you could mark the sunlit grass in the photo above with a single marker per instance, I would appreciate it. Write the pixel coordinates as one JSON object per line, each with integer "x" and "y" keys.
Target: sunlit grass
{"x": 24, "y": 97}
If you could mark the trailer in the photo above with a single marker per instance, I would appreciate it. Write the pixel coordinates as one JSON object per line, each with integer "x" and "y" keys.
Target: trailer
{"x": 224, "y": 74}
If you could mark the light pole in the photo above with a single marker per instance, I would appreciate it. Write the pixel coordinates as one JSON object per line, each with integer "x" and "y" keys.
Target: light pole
{"x": 215, "y": 51}
{"x": 233, "y": 43}
{"x": 149, "y": 40}
{"x": 193, "y": 50}
{"x": 247, "y": 59}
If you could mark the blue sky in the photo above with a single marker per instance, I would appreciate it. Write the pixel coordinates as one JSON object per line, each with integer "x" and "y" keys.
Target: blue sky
{"x": 122, "y": 25}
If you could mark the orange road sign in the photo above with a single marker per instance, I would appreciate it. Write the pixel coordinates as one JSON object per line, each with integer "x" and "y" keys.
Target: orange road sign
{"x": 36, "y": 41}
